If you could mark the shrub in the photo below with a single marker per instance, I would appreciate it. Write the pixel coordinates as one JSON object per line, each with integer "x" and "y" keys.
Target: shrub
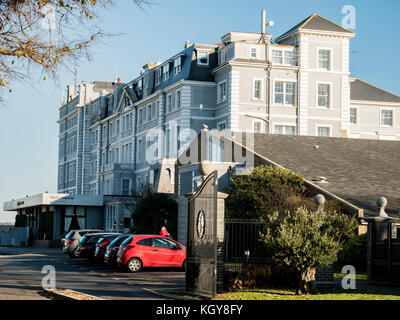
{"x": 304, "y": 240}
{"x": 268, "y": 190}
{"x": 150, "y": 212}
{"x": 354, "y": 253}
{"x": 264, "y": 191}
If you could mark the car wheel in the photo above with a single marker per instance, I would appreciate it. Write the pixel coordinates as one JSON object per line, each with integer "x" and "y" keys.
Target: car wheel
{"x": 184, "y": 265}
{"x": 134, "y": 265}
{"x": 72, "y": 253}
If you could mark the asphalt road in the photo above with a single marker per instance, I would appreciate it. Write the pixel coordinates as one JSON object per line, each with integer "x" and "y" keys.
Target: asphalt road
{"x": 21, "y": 269}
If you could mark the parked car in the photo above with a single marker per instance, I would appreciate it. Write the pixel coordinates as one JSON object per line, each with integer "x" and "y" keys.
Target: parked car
{"x": 87, "y": 244}
{"x": 110, "y": 255}
{"x": 71, "y": 240}
{"x": 141, "y": 251}
{"x": 101, "y": 246}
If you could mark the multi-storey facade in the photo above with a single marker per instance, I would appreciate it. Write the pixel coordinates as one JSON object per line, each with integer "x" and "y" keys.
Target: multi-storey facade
{"x": 115, "y": 138}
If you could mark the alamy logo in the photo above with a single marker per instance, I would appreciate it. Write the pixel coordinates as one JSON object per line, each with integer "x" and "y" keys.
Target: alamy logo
{"x": 349, "y": 20}
{"x": 349, "y": 280}
{"x": 49, "y": 280}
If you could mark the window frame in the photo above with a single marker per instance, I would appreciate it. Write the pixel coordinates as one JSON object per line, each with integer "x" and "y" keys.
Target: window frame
{"x": 285, "y": 126}
{"x": 329, "y": 97}
{"x": 251, "y": 52}
{"x": 381, "y": 110}
{"x": 122, "y": 186}
{"x": 356, "y": 116}
{"x": 225, "y": 98}
{"x": 177, "y": 66}
{"x": 284, "y": 93}
{"x": 330, "y": 61}
{"x": 207, "y": 51}
{"x": 318, "y": 126}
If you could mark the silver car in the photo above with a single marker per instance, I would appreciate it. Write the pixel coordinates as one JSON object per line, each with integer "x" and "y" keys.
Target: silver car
{"x": 71, "y": 240}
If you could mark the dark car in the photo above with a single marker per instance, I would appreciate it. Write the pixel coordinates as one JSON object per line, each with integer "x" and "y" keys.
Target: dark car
{"x": 72, "y": 239}
{"x": 110, "y": 255}
{"x": 101, "y": 246}
{"x": 87, "y": 244}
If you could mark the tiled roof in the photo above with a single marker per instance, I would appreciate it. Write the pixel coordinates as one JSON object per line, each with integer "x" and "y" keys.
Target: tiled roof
{"x": 361, "y": 90}
{"x": 357, "y": 170}
{"x": 315, "y": 22}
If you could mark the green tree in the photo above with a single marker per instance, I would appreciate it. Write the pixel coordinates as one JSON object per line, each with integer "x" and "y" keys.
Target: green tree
{"x": 150, "y": 212}
{"x": 266, "y": 190}
{"x": 304, "y": 240}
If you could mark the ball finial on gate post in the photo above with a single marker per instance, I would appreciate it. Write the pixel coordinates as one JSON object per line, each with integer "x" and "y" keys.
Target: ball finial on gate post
{"x": 319, "y": 201}
{"x": 381, "y": 202}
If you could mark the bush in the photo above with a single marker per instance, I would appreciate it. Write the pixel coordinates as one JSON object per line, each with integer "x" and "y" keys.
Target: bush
{"x": 304, "y": 240}
{"x": 354, "y": 253}
{"x": 263, "y": 192}
{"x": 268, "y": 190}
{"x": 150, "y": 212}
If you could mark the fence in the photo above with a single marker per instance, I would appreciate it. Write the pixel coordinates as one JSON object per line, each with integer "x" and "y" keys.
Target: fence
{"x": 242, "y": 243}
{"x": 243, "y": 246}
{"x": 16, "y": 237}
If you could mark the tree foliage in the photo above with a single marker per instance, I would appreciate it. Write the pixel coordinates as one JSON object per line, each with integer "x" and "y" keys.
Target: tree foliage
{"x": 304, "y": 240}
{"x": 266, "y": 190}
{"x": 150, "y": 211}
{"x": 47, "y": 33}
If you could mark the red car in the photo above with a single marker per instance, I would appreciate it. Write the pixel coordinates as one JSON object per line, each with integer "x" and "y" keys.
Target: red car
{"x": 141, "y": 251}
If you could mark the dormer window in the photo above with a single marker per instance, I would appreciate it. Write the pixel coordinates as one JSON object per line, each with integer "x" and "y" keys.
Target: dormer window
{"x": 177, "y": 65}
{"x": 253, "y": 52}
{"x": 203, "y": 57}
{"x": 140, "y": 84}
{"x": 222, "y": 56}
{"x": 165, "y": 72}
{"x": 158, "y": 76}
{"x": 277, "y": 57}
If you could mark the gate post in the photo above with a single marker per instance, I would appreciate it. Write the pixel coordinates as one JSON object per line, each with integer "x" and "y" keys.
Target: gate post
{"x": 220, "y": 222}
{"x": 374, "y": 234}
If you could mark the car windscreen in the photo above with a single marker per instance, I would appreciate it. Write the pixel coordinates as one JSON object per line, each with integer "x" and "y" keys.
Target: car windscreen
{"x": 127, "y": 241}
{"x": 84, "y": 239}
{"x": 94, "y": 239}
{"x": 117, "y": 241}
{"x": 69, "y": 235}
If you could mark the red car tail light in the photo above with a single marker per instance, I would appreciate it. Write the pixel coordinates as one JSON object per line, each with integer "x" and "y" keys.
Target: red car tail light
{"x": 84, "y": 247}
{"x": 104, "y": 243}
{"x": 70, "y": 240}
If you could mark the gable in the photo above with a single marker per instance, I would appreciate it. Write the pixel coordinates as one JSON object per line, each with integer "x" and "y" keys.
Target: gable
{"x": 315, "y": 23}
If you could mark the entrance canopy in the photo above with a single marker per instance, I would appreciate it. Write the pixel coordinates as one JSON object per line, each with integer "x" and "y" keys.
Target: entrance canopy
{"x": 54, "y": 199}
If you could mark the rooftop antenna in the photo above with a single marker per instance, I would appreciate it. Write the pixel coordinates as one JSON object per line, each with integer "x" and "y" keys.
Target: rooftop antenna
{"x": 265, "y": 24}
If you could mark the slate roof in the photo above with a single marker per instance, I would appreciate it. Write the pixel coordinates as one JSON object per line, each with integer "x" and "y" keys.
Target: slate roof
{"x": 315, "y": 22}
{"x": 361, "y": 90}
{"x": 357, "y": 170}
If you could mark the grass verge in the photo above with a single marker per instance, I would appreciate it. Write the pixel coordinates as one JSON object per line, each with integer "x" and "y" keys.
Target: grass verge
{"x": 290, "y": 294}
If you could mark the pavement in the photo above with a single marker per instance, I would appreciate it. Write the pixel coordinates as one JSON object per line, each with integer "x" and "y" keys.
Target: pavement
{"x": 21, "y": 277}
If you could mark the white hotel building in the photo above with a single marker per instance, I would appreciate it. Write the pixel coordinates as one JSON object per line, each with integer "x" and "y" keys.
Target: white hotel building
{"x": 300, "y": 84}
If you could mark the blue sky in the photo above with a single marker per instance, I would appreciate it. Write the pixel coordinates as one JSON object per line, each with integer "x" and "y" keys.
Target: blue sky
{"x": 28, "y": 129}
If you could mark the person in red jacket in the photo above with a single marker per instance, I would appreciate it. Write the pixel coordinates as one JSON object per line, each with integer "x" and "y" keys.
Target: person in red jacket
{"x": 164, "y": 232}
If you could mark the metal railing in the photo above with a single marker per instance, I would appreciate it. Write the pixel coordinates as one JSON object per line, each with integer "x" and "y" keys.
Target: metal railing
{"x": 242, "y": 243}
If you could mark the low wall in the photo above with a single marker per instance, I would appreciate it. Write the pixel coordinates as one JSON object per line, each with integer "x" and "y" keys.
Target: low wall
{"x": 46, "y": 244}
{"x": 17, "y": 237}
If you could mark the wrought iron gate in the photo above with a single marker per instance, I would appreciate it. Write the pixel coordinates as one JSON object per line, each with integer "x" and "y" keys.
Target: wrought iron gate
{"x": 201, "y": 255}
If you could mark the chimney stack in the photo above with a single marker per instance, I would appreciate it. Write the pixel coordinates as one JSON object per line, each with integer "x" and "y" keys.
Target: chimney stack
{"x": 71, "y": 92}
